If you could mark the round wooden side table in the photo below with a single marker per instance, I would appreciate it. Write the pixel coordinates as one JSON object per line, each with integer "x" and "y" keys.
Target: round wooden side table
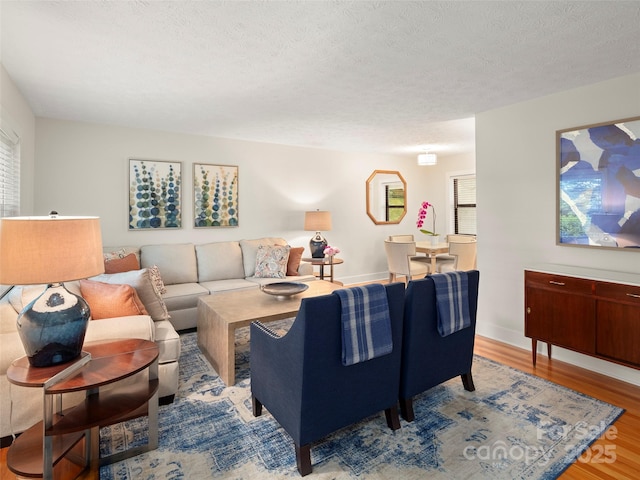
{"x": 38, "y": 449}
{"x": 322, "y": 262}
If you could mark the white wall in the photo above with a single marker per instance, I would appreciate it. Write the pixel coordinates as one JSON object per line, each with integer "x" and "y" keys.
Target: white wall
{"x": 16, "y": 115}
{"x": 82, "y": 169}
{"x": 516, "y": 181}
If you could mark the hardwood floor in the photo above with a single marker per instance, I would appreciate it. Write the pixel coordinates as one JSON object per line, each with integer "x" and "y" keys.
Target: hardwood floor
{"x": 616, "y": 457}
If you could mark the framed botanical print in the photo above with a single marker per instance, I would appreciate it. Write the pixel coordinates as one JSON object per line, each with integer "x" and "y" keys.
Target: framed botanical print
{"x": 598, "y": 170}
{"x": 215, "y": 195}
{"x": 154, "y": 194}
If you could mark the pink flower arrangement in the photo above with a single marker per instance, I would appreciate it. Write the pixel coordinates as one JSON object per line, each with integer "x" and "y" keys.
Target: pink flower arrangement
{"x": 422, "y": 214}
{"x": 331, "y": 251}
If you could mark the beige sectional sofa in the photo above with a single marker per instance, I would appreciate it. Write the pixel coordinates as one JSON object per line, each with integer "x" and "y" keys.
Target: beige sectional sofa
{"x": 188, "y": 271}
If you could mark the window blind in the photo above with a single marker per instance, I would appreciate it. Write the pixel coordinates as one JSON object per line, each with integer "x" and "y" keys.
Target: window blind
{"x": 9, "y": 174}
{"x": 464, "y": 192}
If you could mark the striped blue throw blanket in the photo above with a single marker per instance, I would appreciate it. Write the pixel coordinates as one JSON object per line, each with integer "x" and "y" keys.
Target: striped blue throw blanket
{"x": 452, "y": 302}
{"x": 366, "y": 323}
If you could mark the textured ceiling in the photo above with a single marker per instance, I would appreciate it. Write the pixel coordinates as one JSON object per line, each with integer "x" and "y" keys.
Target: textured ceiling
{"x": 384, "y": 77}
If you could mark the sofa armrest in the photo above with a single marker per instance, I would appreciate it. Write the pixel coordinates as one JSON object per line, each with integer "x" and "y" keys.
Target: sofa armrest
{"x": 135, "y": 326}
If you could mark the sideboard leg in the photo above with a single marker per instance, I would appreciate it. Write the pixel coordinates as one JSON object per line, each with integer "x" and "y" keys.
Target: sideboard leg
{"x": 549, "y": 350}
{"x": 534, "y": 350}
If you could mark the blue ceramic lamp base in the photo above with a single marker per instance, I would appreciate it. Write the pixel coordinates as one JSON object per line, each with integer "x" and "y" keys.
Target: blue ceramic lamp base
{"x": 317, "y": 246}
{"x": 52, "y": 327}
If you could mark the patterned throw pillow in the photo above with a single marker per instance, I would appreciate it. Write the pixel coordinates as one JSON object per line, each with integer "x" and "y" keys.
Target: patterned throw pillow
{"x": 114, "y": 255}
{"x": 271, "y": 261}
{"x": 156, "y": 279}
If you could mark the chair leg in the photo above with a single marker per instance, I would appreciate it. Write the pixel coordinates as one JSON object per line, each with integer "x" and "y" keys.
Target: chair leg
{"x": 303, "y": 459}
{"x": 406, "y": 409}
{"x": 257, "y": 406}
{"x": 393, "y": 420}
{"x": 467, "y": 381}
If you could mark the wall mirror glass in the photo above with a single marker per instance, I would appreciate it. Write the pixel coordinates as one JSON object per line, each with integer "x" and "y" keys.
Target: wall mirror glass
{"x": 386, "y": 197}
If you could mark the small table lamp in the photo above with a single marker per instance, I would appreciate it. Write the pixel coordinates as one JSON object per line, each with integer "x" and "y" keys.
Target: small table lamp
{"x": 317, "y": 221}
{"x": 51, "y": 250}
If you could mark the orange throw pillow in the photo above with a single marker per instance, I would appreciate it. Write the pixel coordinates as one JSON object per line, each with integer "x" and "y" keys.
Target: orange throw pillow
{"x": 124, "y": 264}
{"x": 295, "y": 255}
{"x": 107, "y": 300}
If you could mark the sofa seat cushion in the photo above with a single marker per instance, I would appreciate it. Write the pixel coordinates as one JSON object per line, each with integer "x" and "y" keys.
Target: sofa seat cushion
{"x": 134, "y": 326}
{"x": 219, "y": 261}
{"x": 294, "y": 278}
{"x": 183, "y": 295}
{"x": 168, "y": 342}
{"x": 227, "y": 285}
{"x": 177, "y": 262}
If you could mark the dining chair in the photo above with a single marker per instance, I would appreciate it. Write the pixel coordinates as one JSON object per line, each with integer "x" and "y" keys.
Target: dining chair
{"x": 445, "y": 258}
{"x": 419, "y": 257}
{"x": 401, "y": 238}
{"x": 461, "y": 238}
{"x": 464, "y": 256}
{"x": 400, "y": 260}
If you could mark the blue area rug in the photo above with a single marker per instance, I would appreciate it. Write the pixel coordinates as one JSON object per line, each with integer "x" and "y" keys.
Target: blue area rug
{"x": 514, "y": 426}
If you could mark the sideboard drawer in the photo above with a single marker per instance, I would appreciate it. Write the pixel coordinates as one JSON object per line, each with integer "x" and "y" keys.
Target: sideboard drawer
{"x": 559, "y": 283}
{"x": 618, "y": 292}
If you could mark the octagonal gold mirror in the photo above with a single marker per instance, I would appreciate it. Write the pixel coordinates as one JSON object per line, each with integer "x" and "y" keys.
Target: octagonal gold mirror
{"x": 386, "y": 197}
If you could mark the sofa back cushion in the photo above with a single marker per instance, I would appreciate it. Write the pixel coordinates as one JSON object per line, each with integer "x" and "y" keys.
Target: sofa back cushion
{"x": 177, "y": 262}
{"x": 219, "y": 261}
{"x": 250, "y": 251}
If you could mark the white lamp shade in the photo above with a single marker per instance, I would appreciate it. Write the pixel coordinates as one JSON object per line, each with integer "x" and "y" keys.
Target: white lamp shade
{"x": 317, "y": 221}
{"x": 36, "y": 250}
{"x": 427, "y": 159}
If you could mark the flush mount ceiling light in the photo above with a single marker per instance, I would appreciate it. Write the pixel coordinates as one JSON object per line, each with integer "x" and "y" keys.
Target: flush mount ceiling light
{"x": 427, "y": 159}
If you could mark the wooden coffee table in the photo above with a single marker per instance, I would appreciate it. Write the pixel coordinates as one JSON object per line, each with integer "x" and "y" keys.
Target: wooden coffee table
{"x": 220, "y": 314}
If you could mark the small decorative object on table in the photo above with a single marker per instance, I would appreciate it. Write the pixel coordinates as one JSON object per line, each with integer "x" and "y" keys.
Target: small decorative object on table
{"x": 330, "y": 252}
{"x": 282, "y": 290}
{"x": 422, "y": 214}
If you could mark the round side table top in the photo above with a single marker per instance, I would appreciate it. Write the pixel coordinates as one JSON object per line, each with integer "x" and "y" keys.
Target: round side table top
{"x": 111, "y": 361}
{"x": 323, "y": 261}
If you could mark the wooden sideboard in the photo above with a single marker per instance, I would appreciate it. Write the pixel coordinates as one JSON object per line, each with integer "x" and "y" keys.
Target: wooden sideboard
{"x": 594, "y": 312}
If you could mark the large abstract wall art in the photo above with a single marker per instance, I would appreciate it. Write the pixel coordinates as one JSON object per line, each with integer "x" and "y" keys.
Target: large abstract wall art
{"x": 599, "y": 185}
{"x": 154, "y": 194}
{"x": 215, "y": 195}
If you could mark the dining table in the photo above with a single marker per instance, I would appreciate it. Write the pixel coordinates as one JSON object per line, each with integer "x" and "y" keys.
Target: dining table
{"x": 431, "y": 250}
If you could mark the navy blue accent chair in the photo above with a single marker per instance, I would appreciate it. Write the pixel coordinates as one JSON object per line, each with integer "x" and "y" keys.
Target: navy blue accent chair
{"x": 427, "y": 358}
{"x": 300, "y": 379}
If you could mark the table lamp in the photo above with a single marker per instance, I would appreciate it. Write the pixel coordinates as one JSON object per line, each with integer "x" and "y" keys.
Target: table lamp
{"x": 51, "y": 250}
{"x": 317, "y": 221}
